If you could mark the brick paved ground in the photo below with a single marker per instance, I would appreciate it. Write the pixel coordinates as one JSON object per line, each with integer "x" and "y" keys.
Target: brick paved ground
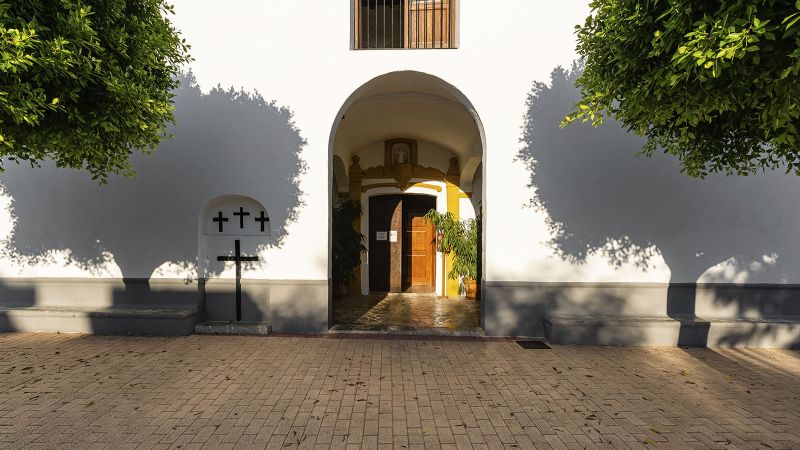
{"x": 126, "y": 392}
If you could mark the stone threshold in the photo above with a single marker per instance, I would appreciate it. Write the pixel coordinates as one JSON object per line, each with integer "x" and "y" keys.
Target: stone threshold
{"x": 244, "y": 328}
{"x": 394, "y": 330}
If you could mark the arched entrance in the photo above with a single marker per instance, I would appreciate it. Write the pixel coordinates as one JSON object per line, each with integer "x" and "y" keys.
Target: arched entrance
{"x": 407, "y": 143}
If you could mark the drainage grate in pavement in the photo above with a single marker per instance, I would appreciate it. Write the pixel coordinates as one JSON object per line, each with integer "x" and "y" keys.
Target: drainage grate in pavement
{"x": 533, "y": 345}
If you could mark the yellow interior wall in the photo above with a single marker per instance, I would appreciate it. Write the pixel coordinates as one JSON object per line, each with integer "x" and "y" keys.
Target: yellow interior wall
{"x": 453, "y": 196}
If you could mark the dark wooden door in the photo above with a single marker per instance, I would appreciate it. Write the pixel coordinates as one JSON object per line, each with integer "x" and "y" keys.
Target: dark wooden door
{"x": 385, "y": 217}
{"x": 419, "y": 246}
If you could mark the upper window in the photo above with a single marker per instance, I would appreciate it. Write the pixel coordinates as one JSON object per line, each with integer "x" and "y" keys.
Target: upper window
{"x": 404, "y": 24}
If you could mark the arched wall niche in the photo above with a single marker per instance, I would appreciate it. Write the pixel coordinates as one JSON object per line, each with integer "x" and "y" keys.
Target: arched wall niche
{"x": 223, "y": 221}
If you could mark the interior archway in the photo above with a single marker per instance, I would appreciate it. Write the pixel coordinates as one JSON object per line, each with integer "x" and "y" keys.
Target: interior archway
{"x": 399, "y": 138}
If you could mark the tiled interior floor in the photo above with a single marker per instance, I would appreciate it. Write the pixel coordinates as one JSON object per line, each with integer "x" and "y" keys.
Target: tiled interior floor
{"x": 407, "y": 310}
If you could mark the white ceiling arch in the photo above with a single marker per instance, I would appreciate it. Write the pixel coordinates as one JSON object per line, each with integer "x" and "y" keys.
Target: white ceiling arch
{"x": 408, "y": 104}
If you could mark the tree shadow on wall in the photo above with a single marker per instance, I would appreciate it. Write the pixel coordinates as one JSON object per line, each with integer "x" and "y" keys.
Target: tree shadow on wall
{"x": 225, "y": 142}
{"x": 602, "y": 199}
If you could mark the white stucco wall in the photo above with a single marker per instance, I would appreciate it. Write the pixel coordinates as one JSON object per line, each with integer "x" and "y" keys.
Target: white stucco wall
{"x": 500, "y": 55}
{"x": 298, "y": 53}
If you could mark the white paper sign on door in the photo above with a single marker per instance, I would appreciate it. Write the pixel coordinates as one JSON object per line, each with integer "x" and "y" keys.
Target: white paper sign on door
{"x": 393, "y": 236}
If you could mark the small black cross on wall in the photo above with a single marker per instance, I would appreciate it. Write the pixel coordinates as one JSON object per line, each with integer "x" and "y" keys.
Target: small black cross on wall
{"x": 220, "y": 219}
{"x": 262, "y": 220}
{"x": 238, "y": 259}
{"x": 241, "y": 215}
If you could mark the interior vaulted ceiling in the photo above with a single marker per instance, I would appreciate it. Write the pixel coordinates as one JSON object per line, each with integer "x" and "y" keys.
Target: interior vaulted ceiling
{"x": 407, "y": 105}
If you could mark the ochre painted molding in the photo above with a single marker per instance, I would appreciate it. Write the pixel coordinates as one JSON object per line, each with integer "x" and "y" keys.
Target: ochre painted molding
{"x": 428, "y": 186}
{"x": 378, "y": 185}
{"x": 403, "y": 173}
{"x": 395, "y": 185}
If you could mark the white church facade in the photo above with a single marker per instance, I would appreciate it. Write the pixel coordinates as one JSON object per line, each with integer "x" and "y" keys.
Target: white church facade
{"x": 401, "y": 106}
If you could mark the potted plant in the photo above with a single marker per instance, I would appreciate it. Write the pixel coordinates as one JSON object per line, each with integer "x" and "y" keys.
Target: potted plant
{"x": 465, "y": 259}
{"x": 459, "y": 238}
{"x": 347, "y": 245}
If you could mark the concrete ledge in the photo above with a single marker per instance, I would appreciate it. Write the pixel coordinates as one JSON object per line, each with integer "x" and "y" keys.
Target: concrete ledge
{"x": 166, "y": 306}
{"x": 765, "y": 333}
{"x": 248, "y": 328}
{"x": 731, "y": 315}
{"x": 126, "y": 321}
{"x": 107, "y": 312}
{"x": 608, "y": 330}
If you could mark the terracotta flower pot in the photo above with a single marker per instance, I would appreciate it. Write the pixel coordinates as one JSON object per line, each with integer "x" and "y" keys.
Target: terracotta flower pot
{"x": 472, "y": 289}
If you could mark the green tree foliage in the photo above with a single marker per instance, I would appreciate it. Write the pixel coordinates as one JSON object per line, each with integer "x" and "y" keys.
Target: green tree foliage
{"x": 714, "y": 83}
{"x": 86, "y": 82}
{"x": 347, "y": 244}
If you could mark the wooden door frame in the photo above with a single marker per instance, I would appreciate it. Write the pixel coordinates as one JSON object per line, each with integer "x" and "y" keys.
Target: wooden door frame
{"x": 397, "y": 263}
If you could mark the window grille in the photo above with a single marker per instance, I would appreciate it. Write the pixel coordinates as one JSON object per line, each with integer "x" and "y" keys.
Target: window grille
{"x": 423, "y": 24}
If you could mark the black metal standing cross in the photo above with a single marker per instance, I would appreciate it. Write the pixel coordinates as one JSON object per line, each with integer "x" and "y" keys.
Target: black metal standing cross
{"x": 241, "y": 215}
{"x": 263, "y": 219}
{"x": 220, "y": 219}
{"x": 238, "y": 259}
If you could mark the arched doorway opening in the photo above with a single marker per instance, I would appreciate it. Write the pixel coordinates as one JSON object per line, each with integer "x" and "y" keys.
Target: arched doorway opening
{"x": 404, "y": 144}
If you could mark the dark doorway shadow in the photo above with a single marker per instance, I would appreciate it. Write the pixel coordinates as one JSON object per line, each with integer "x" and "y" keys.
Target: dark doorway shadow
{"x": 225, "y": 142}
{"x": 602, "y": 199}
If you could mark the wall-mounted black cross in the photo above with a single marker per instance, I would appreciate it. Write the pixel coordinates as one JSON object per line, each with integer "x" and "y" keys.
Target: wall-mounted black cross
{"x": 220, "y": 219}
{"x": 263, "y": 219}
{"x": 238, "y": 259}
{"x": 241, "y": 215}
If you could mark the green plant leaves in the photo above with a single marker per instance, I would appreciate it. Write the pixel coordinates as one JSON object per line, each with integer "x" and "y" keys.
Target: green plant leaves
{"x": 85, "y": 83}
{"x": 347, "y": 244}
{"x": 713, "y": 83}
{"x": 461, "y": 239}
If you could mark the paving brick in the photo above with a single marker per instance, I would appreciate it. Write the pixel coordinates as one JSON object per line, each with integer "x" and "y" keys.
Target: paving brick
{"x": 324, "y": 392}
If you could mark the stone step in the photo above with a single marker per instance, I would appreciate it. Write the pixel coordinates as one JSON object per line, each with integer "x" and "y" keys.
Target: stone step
{"x": 124, "y": 321}
{"x": 249, "y": 328}
{"x": 683, "y": 331}
{"x": 393, "y": 330}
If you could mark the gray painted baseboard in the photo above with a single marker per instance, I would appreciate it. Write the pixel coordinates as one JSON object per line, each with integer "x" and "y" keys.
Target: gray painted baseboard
{"x": 157, "y": 306}
{"x": 568, "y": 313}
{"x": 290, "y": 306}
{"x": 726, "y": 315}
